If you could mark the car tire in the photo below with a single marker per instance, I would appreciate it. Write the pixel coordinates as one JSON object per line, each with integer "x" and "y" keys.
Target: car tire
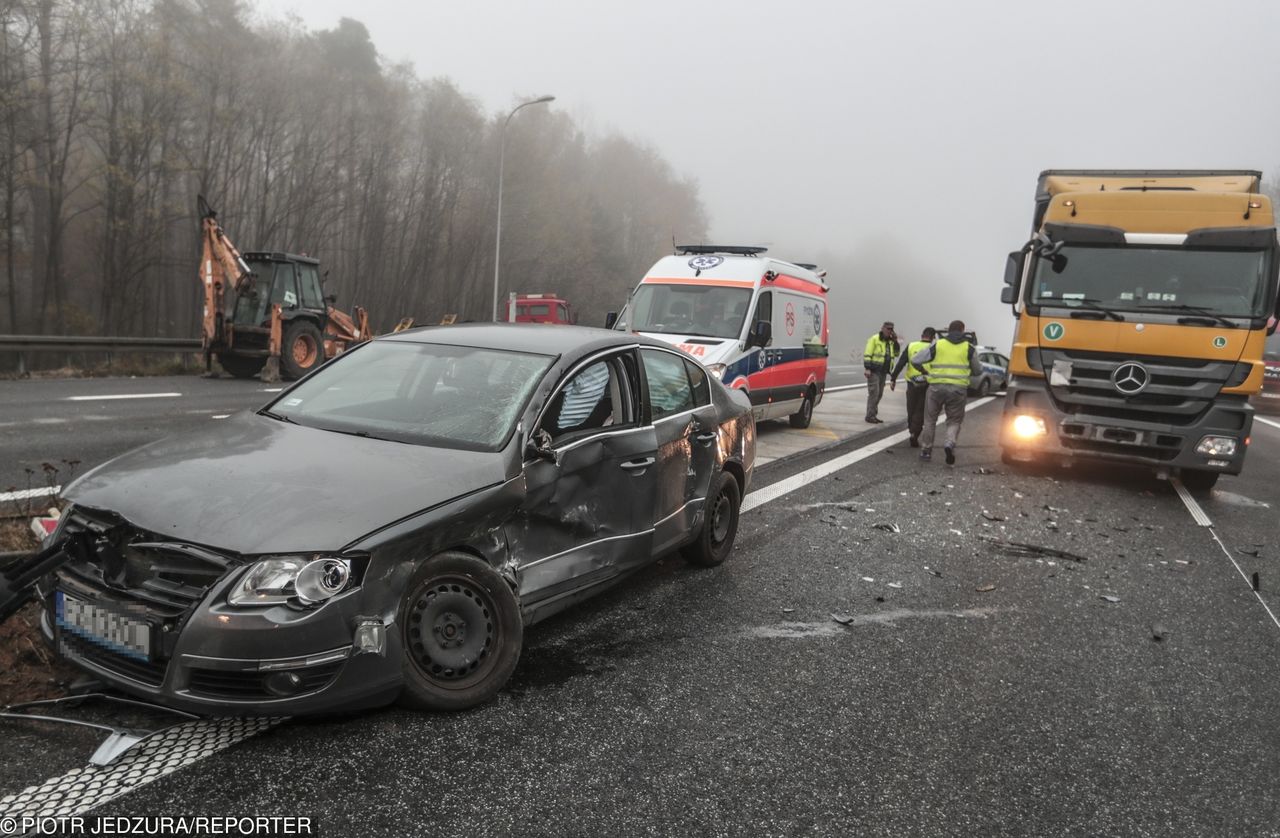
{"x": 1200, "y": 481}
{"x": 461, "y": 631}
{"x": 984, "y": 387}
{"x": 802, "y": 417}
{"x": 241, "y": 366}
{"x": 301, "y": 349}
{"x": 719, "y": 525}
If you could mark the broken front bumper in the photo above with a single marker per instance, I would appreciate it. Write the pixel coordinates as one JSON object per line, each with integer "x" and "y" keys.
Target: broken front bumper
{"x": 213, "y": 658}
{"x": 1168, "y": 445}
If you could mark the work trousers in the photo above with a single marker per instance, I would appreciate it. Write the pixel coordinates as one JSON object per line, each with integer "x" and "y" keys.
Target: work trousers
{"x": 948, "y": 397}
{"x": 916, "y": 395}
{"x": 875, "y": 389}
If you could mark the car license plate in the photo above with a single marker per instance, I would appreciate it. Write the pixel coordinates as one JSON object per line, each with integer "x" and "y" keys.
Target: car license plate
{"x": 109, "y": 629}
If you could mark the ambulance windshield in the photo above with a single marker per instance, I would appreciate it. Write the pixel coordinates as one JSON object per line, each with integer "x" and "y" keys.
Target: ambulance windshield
{"x": 692, "y": 310}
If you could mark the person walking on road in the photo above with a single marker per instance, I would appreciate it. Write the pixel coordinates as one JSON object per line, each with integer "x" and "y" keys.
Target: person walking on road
{"x": 951, "y": 362}
{"x": 917, "y": 382}
{"x": 882, "y": 350}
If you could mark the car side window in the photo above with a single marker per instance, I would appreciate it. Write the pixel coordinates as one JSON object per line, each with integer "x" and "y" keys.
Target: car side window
{"x": 592, "y": 399}
{"x": 701, "y": 385}
{"x": 669, "y": 389}
{"x": 764, "y": 310}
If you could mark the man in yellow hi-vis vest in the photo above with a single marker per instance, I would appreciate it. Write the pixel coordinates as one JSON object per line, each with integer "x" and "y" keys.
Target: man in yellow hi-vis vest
{"x": 952, "y": 361}
{"x": 917, "y": 382}
{"x": 877, "y": 359}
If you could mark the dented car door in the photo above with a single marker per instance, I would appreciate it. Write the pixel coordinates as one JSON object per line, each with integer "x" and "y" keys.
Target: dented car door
{"x": 590, "y": 484}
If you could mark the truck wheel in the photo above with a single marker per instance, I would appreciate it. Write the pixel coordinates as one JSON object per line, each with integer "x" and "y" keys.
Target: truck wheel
{"x": 719, "y": 524}
{"x": 1200, "y": 481}
{"x": 462, "y": 634}
{"x": 802, "y": 417}
{"x": 301, "y": 349}
{"x": 241, "y": 366}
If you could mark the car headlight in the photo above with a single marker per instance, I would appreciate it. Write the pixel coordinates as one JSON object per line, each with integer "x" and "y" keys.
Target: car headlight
{"x": 716, "y": 370}
{"x": 308, "y": 579}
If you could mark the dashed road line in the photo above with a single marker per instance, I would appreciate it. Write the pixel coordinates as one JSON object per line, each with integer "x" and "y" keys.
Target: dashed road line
{"x": 1273, "y": 423}
{"x": 29, "y": 494}
{"x": 118, "y": 396}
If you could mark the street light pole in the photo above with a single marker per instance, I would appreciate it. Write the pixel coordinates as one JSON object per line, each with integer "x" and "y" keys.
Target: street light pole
{"x": 502, "y": 154}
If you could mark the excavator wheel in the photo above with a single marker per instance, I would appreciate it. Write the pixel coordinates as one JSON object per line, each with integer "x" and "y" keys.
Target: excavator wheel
{"x": 241, "y": 366}
{"x": 301, "y": 349}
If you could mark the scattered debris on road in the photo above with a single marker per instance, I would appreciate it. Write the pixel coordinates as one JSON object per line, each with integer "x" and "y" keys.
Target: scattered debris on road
{"x": 1109, "y": 598}
{"x": 842, "y": 619}
{"x": 887, "y": 527}
{"x": 1030, "y": 551}
{"x": 984, "y": 589}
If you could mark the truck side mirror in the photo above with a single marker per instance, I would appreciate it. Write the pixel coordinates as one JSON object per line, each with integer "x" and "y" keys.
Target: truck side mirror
{"x": 330, "y": 298}
{"x": 1013, "y": 268}
{"x": 1008, "y": 295}
{"x": 610, "y": 319}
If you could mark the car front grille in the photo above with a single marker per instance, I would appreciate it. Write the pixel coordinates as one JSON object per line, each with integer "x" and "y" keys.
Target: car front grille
{"x": 249, "y": 686}
{"x": 150, "y": 673}
{"x": 1179, "y": 391}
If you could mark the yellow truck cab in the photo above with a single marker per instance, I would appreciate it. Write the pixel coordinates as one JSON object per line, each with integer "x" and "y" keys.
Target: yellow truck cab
{"x": 1142, "y": 303}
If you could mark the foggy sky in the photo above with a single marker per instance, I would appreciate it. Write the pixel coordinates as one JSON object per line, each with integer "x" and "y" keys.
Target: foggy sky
{"x": 897, "y": 142}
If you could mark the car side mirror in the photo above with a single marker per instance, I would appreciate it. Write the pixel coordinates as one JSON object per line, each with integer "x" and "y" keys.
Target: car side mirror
{"x": 610, "y": 319}
{"x": 539, "y": 447}
{"x": 761, "y": 334}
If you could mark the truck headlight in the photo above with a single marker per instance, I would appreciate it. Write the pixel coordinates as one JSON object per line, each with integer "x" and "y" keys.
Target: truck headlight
{"x": 308, "y": 579}
{"x": 1217, "y": 446}
{"x": 1026, "y": 426}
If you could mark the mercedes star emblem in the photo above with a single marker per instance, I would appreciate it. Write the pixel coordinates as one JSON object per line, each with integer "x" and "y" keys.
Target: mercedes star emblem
{"x": 1130, "y": 379}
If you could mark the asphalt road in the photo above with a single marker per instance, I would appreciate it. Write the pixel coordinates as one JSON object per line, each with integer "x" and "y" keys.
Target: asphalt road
{"x": 976, "y": 689}
{"x": 75, "y": 424}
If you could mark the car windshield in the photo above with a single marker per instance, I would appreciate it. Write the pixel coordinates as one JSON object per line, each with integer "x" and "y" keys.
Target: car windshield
{"x": 418, "y": 393}
{"x": 1227, "y": 283}
{"x": 705, "y": 310}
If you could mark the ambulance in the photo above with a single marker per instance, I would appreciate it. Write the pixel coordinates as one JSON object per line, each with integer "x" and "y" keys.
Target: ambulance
{"x": 758, "y": 324}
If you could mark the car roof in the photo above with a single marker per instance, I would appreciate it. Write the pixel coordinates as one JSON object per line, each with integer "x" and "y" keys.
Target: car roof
{"x": 536, "y": 338}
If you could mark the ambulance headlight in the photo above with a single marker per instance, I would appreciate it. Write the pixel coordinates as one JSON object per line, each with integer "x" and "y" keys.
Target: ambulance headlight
{"x": 716, "y": 370}
{"x": 1028, "y": 427}
{"x": 1217, "y": 446}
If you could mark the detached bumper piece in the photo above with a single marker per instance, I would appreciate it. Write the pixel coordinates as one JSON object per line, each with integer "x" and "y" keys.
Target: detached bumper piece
{"x": 119, "y": 739}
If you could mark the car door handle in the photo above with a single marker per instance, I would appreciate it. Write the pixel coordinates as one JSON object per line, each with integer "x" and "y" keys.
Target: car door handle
{"x": 634, "y": 465}
{"x": 705, "y": 439}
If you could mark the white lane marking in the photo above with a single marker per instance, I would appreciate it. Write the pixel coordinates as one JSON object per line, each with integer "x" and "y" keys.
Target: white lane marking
{"x": 1191, "y": 504}
{"x": 220, "y": 416}
{"x": 1245, "y": 577}
{"x": 270, "y": 389}
{"x": 1273, "y": 423}
{"x": 1203, "y": 520}
{"x": 796, "y": 481}
{"x": 104, "y": 398}
{"x": 28, "y": 494}
{"x": 81, "y": 789}
{"x": 843, "y": 387}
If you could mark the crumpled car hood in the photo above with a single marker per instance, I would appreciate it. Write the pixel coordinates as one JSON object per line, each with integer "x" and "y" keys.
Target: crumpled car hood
{"x": 251, "y": 484}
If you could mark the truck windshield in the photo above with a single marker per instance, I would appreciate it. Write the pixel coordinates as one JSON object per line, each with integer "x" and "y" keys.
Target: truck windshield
{"x": 1226, "y": 283}
{"x": 418, "y": 393}
{"x": 704, "y": 310}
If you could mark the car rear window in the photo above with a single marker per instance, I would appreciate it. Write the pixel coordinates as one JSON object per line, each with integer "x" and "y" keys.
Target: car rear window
{"x": 419, "y": 393}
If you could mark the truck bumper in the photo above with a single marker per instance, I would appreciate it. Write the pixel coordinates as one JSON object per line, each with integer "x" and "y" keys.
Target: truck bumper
{"x": 1070, "y": 436}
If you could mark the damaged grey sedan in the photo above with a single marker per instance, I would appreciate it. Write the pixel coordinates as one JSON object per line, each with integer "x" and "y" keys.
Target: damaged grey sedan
{"x": 388, "y": 526}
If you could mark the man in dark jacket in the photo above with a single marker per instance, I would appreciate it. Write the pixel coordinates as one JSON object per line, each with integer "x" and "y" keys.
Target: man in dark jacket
{"x": 877, "y": 359}
{"x": 952, "y": 361}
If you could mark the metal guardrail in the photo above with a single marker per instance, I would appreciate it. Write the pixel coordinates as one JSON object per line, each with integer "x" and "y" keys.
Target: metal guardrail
{"x": 74, "y": 343}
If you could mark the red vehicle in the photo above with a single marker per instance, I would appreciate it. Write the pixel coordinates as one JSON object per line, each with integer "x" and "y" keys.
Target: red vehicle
{"x": 541, "y": 308}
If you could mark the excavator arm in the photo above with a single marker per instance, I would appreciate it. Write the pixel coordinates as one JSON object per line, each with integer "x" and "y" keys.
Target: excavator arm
{"x": 221, "y": 267}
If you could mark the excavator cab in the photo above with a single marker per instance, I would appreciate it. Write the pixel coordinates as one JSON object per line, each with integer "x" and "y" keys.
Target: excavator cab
{"x": 268, "y": 307}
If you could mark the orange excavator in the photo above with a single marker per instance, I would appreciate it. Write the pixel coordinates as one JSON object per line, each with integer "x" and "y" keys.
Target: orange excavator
{"x": 265, "y": 313}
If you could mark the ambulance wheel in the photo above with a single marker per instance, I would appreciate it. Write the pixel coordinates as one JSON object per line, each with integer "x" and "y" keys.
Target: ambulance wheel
{"x": 301, "y": 349}
{"x": 1200, "y": 481}
{"x": 802, "y": 417}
